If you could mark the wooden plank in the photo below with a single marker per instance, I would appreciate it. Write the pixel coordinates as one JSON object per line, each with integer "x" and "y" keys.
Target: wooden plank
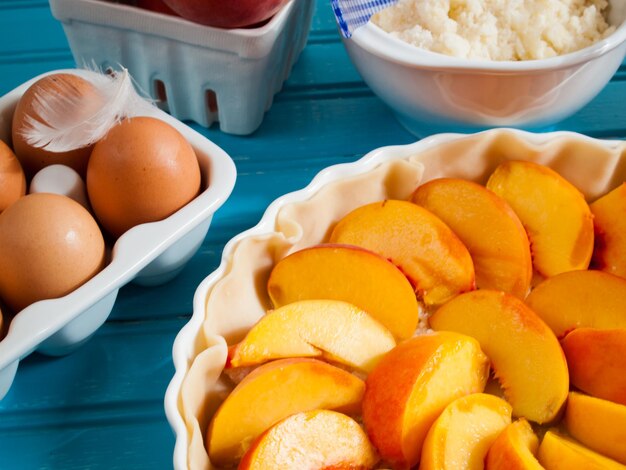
{"x": 324, "y": 20}
{"x": 23, "y": 24}
{"x": 124, "y": 365}
{"x": 142, "y": 444}
{"x": 17, "y": 73}
{"x": 322, "y": 64}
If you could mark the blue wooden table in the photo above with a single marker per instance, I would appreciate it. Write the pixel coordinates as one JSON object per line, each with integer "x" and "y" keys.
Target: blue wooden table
{"x": 102, "y": 407}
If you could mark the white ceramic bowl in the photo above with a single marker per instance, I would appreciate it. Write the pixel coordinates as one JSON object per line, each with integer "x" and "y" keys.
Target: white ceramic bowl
{"x": 148, "y": 254}
{"x": 230, "y": 300}
{"x": 432, "y": 92}
{"x": 195, "y": 72}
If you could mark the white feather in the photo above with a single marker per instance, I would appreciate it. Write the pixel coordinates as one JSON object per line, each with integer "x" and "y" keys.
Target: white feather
{"x": 69, "y": 120}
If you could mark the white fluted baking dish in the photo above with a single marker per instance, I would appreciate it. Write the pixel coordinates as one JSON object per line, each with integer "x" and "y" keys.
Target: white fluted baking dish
{"x": 233, "y": 298}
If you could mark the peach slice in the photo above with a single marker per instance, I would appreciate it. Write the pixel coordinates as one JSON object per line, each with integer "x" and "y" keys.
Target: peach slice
{"x": 524, "y": 352}
{"x": 420, "y": 244}
{"x": 580, "y": 299}
{"x": 411, "y": 386}
{"x": 554, "y": 212}
{"x": 461, "y": 436}
{"x": 487, "y": 226}
{"x": 514, "y": 449}
{"x": 598, "y": 424}
{"x": 351, "y": 274}
{"x": 597, "y": 362}
{"x": 335, "y": 330}
{"x": 558, "y": 452}
{"x": 272, "y": 392}
{"x": 609, "y": 221}
{"x": 318, "y": 439}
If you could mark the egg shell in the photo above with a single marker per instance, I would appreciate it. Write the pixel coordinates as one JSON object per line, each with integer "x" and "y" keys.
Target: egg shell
{"x": 60, "y": 179}
{"x": 12, "y": 180}
{"x": 34, "y": 159}
{"x": 142, "y": 171}
{"x": 49, "y": 246}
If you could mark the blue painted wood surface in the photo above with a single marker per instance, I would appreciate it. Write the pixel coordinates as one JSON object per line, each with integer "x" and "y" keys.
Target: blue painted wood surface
{"x": 102, "y": 407}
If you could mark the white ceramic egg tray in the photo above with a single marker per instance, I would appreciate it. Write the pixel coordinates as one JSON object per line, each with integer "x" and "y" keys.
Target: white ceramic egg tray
{"x": 148, "y": 254}
{"x": 195, "y": 72}
{"x": 302, "y": 218}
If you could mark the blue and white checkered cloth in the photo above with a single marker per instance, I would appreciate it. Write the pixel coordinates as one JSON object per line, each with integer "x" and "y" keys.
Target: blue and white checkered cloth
{"x": 351, "y": 14}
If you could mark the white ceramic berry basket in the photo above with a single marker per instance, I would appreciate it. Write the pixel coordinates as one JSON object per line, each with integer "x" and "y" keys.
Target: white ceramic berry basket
{"x": 232, "y": 299}
{"x": 196, "y": 72}
{"x": 148, "y": 254}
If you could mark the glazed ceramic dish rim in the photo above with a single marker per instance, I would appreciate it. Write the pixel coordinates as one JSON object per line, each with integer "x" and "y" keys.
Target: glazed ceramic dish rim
{"x": 126, "y": 260}
{"x": 376, "y": 41}
{"x": 183, "y": 349}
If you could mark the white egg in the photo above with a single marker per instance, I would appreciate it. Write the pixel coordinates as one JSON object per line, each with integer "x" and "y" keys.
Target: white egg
{"x": 60, "y": 179}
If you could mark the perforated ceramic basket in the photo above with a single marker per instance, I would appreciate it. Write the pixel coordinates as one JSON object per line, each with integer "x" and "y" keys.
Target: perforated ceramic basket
{"x": 195, "y": 72}
{"x": 233, "y": 298}
{"x": 148, "y": 254}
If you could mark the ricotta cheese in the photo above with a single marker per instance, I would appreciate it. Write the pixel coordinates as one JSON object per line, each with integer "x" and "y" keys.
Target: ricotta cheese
{"x": 497, "y": 29}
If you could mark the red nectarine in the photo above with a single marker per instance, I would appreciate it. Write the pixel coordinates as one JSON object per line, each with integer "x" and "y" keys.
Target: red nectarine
{"x": 156, "y": 6}
{"x": 229, "y": 14}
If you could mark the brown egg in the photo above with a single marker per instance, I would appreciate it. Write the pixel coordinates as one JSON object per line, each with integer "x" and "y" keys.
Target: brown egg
{"x": 142, "y": 171}
{"x": 12, "y": 180}
{"x": 49, "y": 246}
{"x": 34, "y": 159}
